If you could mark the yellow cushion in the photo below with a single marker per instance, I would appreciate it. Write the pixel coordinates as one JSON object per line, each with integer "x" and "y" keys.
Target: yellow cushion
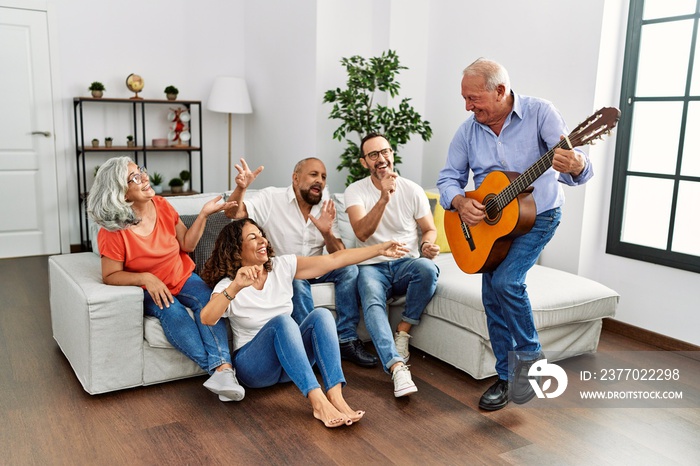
{"x": 439, "y": 217}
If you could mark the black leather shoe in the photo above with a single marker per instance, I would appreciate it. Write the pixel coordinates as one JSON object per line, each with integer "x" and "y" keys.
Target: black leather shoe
{"x": 520, "y": 388}
{"x": 496, "y": 397}
{"x": 355, "y": 352}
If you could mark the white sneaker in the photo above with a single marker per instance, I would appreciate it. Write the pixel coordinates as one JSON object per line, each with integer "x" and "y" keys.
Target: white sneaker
{"x": 403, "y": 384}
{"x": 401, "y": 341}
{"x": 224, "y": 384}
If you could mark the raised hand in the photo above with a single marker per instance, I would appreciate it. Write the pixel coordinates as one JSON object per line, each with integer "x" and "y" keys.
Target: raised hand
{"x": 212, "y": 206}
{"x": 245, "y": 177}
{"x": 389, "y": 184}
{"x": 247, "y": 275}
{"x": 324, "y": 222}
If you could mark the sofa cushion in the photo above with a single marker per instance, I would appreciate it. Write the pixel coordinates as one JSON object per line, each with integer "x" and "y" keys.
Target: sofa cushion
{"x": 557, "y": 298}
{"x": 215, "y": 223}
{"x": 439, "y": 218}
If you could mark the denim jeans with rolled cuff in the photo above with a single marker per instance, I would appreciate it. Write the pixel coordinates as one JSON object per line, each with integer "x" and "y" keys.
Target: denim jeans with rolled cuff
{"x": 414, "y": 277}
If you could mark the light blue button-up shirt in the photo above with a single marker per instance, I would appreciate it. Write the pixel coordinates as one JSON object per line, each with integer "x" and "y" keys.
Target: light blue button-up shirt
{"x": 531, "y": 129}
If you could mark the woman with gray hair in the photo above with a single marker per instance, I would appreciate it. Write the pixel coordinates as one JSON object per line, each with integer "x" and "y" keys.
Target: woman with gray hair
{"x": 144, "y": 242}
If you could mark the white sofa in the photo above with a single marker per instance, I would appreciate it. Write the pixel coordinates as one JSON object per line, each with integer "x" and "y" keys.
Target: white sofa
{"x": 111, "y": 345}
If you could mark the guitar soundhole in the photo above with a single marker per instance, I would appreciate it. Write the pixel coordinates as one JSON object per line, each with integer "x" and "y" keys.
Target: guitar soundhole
{"x": 493, "y": 213}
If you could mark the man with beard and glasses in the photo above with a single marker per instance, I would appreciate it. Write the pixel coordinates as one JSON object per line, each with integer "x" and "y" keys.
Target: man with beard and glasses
{"x": 301, "y": 220}
{"x": 381, "y": 207}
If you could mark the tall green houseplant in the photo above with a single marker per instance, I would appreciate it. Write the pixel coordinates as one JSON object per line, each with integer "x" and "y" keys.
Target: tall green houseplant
{"x": 356, "y": 106}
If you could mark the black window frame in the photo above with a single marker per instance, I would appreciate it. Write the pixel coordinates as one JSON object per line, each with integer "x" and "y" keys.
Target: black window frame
{"x": 615, "y": 245}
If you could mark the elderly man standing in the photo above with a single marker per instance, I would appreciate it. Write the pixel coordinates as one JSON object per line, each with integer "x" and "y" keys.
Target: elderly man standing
{"x": 300, "y": 220}
{"x": 509, "y": 132}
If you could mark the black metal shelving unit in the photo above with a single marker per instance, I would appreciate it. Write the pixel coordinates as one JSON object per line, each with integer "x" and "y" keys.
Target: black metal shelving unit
{"x": 140, "y": 151}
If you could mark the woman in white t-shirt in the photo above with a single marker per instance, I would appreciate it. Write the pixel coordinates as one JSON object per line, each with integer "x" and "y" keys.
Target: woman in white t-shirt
{"x": 254, "y": 290}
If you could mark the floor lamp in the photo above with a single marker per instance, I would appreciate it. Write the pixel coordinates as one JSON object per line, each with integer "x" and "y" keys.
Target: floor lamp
{"x": 229, "y": 95}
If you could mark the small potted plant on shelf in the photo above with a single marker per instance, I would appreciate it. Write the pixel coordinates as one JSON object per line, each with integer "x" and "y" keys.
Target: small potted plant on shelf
{"x": 156, "y": 179}
{"x": 130, "y": 141}
{"x": 171, "y": 92}
{"x": 95, "y": 142}
{"x": 175, "y": 185}
{"x": 185, "y": 177}
{"x": 108, "y": 141}
{"x": 96, "y": 89}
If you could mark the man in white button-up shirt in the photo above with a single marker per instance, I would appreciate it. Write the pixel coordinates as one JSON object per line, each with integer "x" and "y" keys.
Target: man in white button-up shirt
{"x": 301, "y": 220}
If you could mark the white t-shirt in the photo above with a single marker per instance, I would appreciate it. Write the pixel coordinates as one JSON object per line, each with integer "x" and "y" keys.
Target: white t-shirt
{"x": 407, "y": 204}
{"x": 277, "y": 212}
{"x": 251, "y": 309}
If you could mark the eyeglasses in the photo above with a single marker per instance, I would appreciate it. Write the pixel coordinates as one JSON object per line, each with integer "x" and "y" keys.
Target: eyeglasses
{"x": 374, "y": 155}
{"x": 138, "y": 177}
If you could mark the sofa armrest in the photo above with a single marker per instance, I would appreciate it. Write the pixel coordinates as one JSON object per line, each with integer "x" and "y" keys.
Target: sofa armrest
{"x": 98, "y": 327}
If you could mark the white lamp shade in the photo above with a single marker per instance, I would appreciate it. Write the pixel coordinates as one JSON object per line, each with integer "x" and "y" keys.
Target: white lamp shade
{"x": 229, "y": 95}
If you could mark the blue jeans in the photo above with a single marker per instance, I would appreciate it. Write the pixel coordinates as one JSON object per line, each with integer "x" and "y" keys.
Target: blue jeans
{"x": 284, "y": 351}
{"x": 347, "y": 306}
{"x": 508, "y": 312}
{"x": 206, "y": 345}
{"x": 415, "y": 278}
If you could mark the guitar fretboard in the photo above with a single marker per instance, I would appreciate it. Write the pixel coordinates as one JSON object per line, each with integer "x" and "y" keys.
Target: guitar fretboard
{"x": 522, "y": 182}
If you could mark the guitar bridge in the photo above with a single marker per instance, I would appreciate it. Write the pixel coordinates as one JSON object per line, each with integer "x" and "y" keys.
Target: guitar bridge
{"x": 468, "y": 236}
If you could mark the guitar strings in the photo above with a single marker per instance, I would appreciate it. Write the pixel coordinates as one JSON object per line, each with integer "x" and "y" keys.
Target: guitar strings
{"x": 497, "y": 203}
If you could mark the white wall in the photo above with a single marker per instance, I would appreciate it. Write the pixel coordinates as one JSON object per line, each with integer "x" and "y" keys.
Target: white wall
{"x": 547, "y": 58}
{"x": 289, "y": 52}
{"x": 344, "y": 29}
{"x": 280, "y": 55}
{"x": 188, "y": 47}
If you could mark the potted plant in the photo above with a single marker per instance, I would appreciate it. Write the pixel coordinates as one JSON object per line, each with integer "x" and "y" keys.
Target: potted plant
{"x": 95, "y": 142}
{"x": 96, "y": 89}
{"x": 130, "y": 141}
{"x": 176, "y": 185}
{"x": 185, "y": 177}
{"x": 108, "y": 141}
{"x": 156, "y": 179}
{"x": 360, "y": 113}
{"x": 171, "y": 92}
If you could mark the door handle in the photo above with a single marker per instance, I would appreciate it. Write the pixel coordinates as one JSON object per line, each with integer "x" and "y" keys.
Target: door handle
{"x": 46, "y": 134}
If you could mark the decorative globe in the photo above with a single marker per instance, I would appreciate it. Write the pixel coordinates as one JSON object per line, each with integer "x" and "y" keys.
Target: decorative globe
{"x": 135, "y": 84}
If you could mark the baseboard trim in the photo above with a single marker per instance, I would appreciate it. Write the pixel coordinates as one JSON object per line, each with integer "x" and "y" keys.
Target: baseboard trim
{"x": 646, "y": 336}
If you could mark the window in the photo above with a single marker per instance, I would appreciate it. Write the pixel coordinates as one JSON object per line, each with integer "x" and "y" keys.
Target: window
{"x": 655, "y": 207}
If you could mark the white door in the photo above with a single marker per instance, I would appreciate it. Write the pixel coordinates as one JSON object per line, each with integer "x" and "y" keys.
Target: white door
{"x": 29, "y": 223}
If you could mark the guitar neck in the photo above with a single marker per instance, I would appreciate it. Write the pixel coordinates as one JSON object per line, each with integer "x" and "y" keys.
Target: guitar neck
{"x": 525, "y": 179}
{"x": 599, "y": 123}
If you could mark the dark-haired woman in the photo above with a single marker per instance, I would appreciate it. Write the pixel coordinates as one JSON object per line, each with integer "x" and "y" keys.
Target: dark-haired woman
{"x": 254, "y": 290}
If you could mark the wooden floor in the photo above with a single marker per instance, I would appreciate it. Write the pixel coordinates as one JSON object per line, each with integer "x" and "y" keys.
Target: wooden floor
{"x": 46, "y": 418}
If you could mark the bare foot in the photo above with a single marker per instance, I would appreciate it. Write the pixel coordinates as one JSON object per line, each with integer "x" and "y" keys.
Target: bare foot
{"x": 330, "y": 423}
{"x": 335, "y": 396}
{"x": 325, "y": 412}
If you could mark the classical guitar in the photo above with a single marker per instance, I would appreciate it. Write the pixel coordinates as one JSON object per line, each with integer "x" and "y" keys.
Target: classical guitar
{"x": 482, "y": 247}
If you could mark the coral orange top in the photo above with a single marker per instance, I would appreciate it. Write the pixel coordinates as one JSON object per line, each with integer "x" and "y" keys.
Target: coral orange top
{"x": 158, "y": 253}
